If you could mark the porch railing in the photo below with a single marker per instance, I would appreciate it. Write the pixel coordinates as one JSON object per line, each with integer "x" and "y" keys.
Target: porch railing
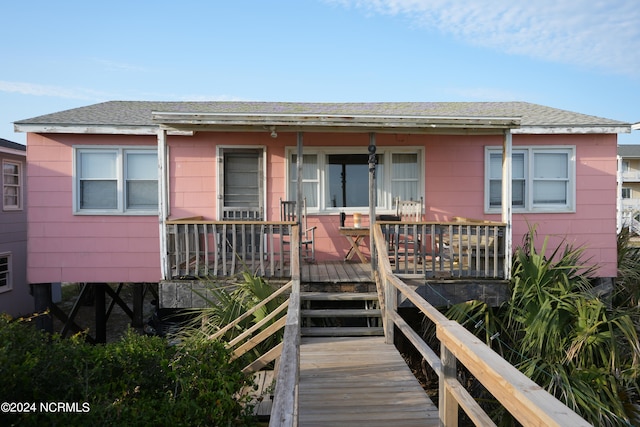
{"x": 466, "y": 248}
{"x": 198, "y": 248}
{"x": 469, "y": 248}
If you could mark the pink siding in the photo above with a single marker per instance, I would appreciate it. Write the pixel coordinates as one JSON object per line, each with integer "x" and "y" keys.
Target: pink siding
{"x": 64, "y": 247}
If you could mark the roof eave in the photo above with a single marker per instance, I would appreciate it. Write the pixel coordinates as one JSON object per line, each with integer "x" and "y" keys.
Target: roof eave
{"x": 88, "y": 129}
{"x": 13, "y": 151}
{"x": 563, "y": 130}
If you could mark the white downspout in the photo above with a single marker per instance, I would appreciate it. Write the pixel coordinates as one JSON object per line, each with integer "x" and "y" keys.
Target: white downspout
{"x": 507, "y": 194}
{"x": 163, "y": 201}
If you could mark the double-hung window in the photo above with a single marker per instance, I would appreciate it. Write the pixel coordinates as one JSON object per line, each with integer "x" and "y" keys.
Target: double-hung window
{"x": 337, "y": 179}
{"x": 5, "y": 272}
{"x": 116, "y": 180}
{"x": 543, "y": 179}
{"x": 11, "y": 185}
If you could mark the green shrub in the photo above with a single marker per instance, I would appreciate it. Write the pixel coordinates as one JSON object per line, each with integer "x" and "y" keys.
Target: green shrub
{"x": 137, "y": 381}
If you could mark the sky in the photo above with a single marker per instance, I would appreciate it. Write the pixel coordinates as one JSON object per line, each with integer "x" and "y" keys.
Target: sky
{"x": 578, "y": 55}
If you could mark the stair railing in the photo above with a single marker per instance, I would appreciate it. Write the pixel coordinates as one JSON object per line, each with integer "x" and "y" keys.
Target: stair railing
{"x": 284, "y": 412}
{"x": 524, "y": 399}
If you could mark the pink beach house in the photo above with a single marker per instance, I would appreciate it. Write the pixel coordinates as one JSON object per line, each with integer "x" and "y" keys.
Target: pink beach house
{"x": 129, "y": 191}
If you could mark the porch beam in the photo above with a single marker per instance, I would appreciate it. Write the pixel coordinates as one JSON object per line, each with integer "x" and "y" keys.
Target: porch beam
{"x": 372, "y": 197}
{"x": 323, "y": 120}
{"x": 163, "y": 210}
{"x": 507, "y": 195}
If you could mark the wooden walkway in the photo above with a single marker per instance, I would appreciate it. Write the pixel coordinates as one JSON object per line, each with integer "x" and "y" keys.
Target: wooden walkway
{"x": 348, "y": 381}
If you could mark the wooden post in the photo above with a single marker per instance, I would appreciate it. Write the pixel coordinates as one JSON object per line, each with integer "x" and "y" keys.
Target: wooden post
{"x": 299, "y": 195}
{"x": 42, "y": 300}
{"x": 507, "y": 196}
{"x": 447, "y": 403}
{"x": 138, "y": 305}
{"x": 163, "y": 201}
{"x": 100, "y": 312}
{"x": 372, "y": 200}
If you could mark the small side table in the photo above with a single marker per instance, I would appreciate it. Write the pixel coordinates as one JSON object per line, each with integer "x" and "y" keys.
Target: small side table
{"x": 354, "y": 236}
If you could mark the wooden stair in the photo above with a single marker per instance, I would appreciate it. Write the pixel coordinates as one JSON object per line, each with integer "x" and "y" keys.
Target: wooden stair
{"x": 332, "y": 314}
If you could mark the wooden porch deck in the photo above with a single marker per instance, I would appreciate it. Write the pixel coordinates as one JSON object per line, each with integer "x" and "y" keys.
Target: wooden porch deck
{"x": 335, "y": 272}
{"x": 359, "y": 381}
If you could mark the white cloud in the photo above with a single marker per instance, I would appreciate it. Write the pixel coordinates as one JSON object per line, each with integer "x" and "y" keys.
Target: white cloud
{"x": 115, "y": 65}
{"x": 35, "y": 89}
{"x": 597, "y": 34}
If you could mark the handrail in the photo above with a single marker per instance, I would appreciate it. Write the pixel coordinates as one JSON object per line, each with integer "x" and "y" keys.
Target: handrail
{"x": 524, "y": 399}
{"x": 285, "y": 401}
{"x": 284, "y": 411}
{"x": 253, "y": 340}
{"x": 249, "y": 312}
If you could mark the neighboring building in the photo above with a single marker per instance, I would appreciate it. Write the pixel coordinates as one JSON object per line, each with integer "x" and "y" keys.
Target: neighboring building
{"x": 629, "y": 170}
{"x": 15, "y": 298}
{"x": 95, "y": 187}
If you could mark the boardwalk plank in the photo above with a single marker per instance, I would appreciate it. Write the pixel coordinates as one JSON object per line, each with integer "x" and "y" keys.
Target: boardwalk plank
{"x": 359, "y": 381}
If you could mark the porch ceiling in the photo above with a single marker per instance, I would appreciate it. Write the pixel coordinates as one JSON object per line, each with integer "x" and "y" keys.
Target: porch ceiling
{"x": 334, "y": 123}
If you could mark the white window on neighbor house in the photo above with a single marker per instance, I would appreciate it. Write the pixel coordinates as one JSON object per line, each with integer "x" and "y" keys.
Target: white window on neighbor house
{"x": 115, "y": 180}
{"x": 543, "y": 179}
{"x": 337, "y": 179}
{"x": 5, "y": 272}
{"x": 11, "y": 185}
{"x": 626, "y": 166}
{"x": 626, "y": 193}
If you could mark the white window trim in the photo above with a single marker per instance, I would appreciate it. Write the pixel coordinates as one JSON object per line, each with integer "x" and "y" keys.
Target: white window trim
{"x": 220, "y": 149}
{"x": 9, "y": 286}
{"x": 20, "y": 205}
{"x": 120, "y": 177}
{"x": 569, "y": 207}
{"x": 385, "y": 206}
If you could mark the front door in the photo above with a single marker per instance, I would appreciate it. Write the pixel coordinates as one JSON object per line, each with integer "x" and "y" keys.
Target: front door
{"x": 241, "y": 189}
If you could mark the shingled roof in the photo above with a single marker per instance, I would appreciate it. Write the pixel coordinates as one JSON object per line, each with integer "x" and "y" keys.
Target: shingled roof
{"x": 140, "y": 113}
{"x": 10, "y": 145}
{"x": 631, "y": 150}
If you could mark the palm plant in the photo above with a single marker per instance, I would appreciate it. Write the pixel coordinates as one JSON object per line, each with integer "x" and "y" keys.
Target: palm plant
{"x": 227, "y": 301}
{"x": 628, "y": 282}
{"x": 563, "y": 336}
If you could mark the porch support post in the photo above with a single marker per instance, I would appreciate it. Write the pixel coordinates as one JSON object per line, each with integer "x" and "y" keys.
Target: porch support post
{"x": 43, "y": 302}
{"x": 137, "y": 320}
{"x": 100, "y": 312}
{"x": 299, "y": 196}
{"x": 372, "y": 200}
{"x": 621, "y": 216}
{"x": 163, "y": 200}
{"x": 507, "y": 195}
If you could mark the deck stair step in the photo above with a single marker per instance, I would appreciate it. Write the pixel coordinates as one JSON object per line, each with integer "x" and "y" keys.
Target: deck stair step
{"x": 339, "y": 296}
{"x": 341, "y": 331}
{"x": 340, "y": 314}
{"x": 336, "y": 312}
